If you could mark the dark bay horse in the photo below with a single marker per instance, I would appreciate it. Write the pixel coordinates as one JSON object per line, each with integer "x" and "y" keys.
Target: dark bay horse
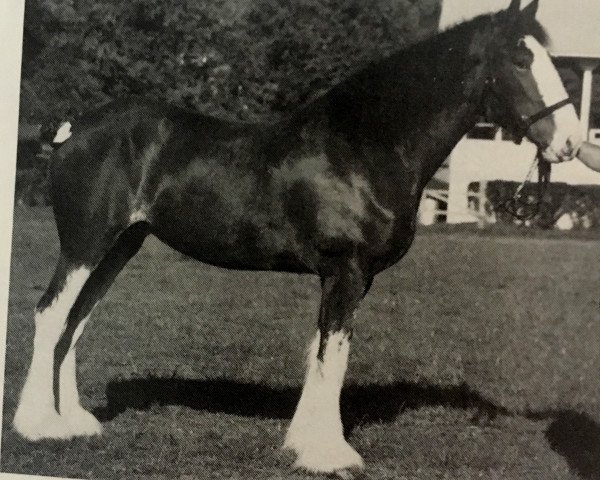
{"x": 331, "y": 190}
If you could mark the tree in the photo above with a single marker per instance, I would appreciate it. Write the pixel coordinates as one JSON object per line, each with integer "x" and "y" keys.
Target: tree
{"x": 240, "y": 58}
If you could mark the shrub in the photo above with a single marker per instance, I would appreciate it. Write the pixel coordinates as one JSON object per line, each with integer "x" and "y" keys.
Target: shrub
{"x": 582, "y": 202}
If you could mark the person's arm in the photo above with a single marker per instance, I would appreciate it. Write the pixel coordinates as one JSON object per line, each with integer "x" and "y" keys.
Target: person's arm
{"x": 589, "y": 154}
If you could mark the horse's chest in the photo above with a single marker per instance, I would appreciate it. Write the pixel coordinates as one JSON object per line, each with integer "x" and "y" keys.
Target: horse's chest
{"x": 333, "y": 210}
{"x": 349, "y": 209}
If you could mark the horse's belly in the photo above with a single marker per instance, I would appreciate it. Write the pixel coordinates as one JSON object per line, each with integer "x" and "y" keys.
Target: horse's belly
{"x": 284, "y": 220}
{"x": 227, "y": 230}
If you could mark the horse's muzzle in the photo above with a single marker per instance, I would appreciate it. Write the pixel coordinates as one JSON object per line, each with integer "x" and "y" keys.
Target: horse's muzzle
{"x": 566, "y": 153}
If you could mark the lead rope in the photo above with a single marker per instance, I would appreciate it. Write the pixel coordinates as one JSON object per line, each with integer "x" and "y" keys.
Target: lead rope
{"x": 520, "y": 208}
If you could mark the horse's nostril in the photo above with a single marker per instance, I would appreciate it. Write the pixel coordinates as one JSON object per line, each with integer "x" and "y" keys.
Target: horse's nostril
{"x": 567, "y": 152}
{"x": 571, "y": 147}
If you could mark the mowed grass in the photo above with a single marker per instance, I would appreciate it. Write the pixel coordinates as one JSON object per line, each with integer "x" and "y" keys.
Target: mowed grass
{"x": 478, "y": 356}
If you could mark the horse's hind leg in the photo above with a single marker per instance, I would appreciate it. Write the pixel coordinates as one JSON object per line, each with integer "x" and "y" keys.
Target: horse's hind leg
{"x": 316, "y": 433}
{"x": 49, "y": 405}
{"x": 36, "y": 416}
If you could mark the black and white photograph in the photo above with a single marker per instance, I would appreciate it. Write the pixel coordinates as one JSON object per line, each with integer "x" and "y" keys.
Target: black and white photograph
{"x": 300, "y": 239}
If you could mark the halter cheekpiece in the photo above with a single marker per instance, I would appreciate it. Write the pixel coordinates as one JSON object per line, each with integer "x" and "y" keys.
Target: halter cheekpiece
{"x": 526, "y": 122}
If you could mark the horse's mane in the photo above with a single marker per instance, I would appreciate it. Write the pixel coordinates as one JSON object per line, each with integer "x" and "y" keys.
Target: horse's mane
{"x": 523, "y": 26}
{"x": 410, "y": 70}
{"x": 428, "y": 53}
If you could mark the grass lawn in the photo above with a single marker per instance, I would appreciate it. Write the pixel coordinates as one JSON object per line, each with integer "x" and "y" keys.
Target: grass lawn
{"x": 478, "y": 356}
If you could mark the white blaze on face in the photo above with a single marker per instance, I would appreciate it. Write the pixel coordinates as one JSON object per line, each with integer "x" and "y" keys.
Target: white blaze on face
{"x": 567, "y": 137}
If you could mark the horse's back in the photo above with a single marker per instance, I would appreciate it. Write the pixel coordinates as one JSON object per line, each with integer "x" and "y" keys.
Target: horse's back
{"x": 193, "y": 178}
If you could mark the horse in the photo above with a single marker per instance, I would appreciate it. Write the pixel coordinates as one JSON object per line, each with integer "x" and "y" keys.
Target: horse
{"x": 331, "y": 189}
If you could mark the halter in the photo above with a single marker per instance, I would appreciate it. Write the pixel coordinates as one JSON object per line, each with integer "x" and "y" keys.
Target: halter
{"x": 519, "y": 207}
{"x": 516, "y": 206}
{"x": 526, "y": 122}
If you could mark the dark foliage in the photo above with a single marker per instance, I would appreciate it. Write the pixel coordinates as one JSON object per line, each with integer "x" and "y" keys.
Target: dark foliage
{"x": 234, "y": 58}
{"x": 238, "y": 57}
{"x": 581, "y": 202}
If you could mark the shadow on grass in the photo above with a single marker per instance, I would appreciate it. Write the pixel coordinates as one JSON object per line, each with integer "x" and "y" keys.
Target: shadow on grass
{"x": 575, "y": 436}
{"x": 361, "y": 404}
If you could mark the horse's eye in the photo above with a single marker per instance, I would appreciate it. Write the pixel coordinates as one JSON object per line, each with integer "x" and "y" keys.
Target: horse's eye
{"x": 522, "y": 57}
{"x": 521, "y": 65}
{"x": 522, "y": 60}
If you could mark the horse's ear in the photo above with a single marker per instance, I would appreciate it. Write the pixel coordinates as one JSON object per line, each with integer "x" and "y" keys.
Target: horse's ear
{"x": 514, "y": 10}
{"x": 530, "y": 10}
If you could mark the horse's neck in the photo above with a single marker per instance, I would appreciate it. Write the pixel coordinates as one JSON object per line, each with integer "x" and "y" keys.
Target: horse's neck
{"x": 427, "y": 148}
{"x": 419, "y": 102}
{"x": 427, "y": 108}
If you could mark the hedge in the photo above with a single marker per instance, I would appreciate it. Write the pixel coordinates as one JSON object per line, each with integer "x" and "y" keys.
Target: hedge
{"x": 582, "y": 202}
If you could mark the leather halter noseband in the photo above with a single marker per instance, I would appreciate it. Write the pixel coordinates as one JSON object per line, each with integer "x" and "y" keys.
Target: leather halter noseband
{"x": 526, "y": 122}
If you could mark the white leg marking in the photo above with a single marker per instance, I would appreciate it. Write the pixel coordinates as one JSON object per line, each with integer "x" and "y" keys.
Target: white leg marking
{"x": 36, "y": 416}
{"x": 81, "y": 422}
{"x": 63, "y": 133}
{"x": 552, "y": 90}
{"x": 316, "y": 432}
{"x": 138, "y": 216}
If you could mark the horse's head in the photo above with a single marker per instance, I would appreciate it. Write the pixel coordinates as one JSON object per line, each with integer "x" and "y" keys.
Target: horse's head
{"x": 523, "y": 90}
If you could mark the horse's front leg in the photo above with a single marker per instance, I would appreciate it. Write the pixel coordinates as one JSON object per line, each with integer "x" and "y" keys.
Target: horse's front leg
{"x": 316, "y": 433}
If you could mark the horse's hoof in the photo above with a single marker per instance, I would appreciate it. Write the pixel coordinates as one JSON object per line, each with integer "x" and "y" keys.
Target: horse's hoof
{"x": 349, "y": 474}
{"x": 34, "y": 425}
{"x": 83, "y": 424}
{"x": 340, "y": 461}
{"x": 38, "y": 426}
